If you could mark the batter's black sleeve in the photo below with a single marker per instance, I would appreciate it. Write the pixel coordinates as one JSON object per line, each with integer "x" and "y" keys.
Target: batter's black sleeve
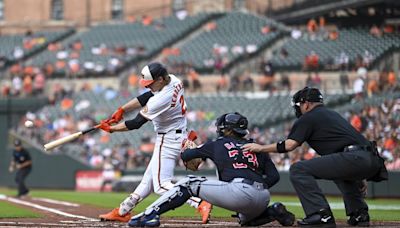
{"x": 144, "y": 98}
{"x": 271, "y": 173}
{"x": 301, "y": 130}
{"x": 204, "y": 151}
{"x": 136, "y": 123}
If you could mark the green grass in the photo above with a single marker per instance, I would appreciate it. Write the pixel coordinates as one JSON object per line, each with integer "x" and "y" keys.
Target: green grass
{"x": 111, "y": 200}
{"x": 9, "y": 210}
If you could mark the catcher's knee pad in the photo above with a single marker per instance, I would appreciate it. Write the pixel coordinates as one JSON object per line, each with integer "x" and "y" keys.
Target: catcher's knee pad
{"x": 192, "y": 183}
{"x": 171, "y": 199}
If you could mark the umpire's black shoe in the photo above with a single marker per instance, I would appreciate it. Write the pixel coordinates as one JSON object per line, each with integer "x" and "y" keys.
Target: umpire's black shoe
{"x": 359, "y": 218}
{"x": 323, "y": 218}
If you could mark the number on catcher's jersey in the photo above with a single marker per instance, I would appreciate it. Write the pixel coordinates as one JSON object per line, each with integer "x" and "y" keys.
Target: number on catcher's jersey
{"x": 233, "y": 152}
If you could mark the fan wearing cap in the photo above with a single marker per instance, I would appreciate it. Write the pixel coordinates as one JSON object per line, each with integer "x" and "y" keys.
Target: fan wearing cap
{"x": 23, "y": 163}
{"x": 164, "y": 105}
{"x": 346, "y": 157}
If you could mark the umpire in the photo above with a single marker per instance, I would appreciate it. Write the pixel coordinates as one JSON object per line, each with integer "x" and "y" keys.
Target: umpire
{"x": 23, "y": 162}
{"x": 347, "y": 158}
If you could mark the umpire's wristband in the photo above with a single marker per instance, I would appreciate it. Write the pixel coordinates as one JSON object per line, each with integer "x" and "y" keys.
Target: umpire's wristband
{"x": 281, "y": 147}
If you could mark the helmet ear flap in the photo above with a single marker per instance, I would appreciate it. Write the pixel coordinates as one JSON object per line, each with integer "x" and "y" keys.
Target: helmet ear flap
{"x": 220, "y": 124}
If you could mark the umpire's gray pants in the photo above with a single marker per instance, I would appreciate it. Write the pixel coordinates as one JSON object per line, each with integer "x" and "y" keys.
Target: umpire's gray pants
{"x": 346, "y": 169}
{"x": 248, "y": 200}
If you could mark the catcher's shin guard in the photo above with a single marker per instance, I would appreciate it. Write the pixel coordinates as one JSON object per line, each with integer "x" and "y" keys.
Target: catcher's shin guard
{"x": 169, "y": 200}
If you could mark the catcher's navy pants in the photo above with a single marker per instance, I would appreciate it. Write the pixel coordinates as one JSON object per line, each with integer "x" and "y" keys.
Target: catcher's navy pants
{"x": 346, "y": 169}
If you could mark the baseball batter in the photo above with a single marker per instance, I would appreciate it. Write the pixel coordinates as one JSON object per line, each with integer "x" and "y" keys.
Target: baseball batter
{"x": 165, "y": 106}
{"x": 244, "y": 179}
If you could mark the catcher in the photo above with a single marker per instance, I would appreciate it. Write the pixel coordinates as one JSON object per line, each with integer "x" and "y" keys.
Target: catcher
{"x": 245, "y": 176}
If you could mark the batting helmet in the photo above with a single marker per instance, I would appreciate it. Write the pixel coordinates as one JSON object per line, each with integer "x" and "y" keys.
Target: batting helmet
{"x": 306, "y": 94}
{"x": 151, "y": 72}
{"x": 234, "y": 121}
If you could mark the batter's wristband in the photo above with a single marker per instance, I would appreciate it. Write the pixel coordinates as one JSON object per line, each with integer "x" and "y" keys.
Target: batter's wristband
{"x": 281, "y": 147}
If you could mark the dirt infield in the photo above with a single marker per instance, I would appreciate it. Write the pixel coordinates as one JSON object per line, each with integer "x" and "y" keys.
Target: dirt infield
{"x": 61, "y": 215}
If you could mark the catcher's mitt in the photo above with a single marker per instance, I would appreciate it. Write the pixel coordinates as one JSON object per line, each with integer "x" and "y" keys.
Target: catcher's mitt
{"x": 194, "y": 163}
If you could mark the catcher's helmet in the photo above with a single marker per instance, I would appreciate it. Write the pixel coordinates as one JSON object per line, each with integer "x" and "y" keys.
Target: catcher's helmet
{"x": 234, "y": 121}
{"x": 151, "y": 72}
{"x": 306, "y": 94}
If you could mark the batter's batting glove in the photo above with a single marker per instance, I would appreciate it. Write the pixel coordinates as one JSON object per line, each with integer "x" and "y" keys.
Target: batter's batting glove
{"x": 116, "y": 116}
{"x": 105, "y": 126}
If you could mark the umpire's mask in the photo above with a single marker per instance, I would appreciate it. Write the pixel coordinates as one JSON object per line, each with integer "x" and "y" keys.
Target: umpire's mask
{"x": 306, "y": 94}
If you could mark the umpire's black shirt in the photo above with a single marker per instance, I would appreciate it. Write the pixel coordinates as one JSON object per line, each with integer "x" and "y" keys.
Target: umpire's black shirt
{"x": 326, "y": 131}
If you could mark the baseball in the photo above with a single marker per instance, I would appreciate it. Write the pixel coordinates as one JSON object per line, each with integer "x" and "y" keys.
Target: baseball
{"x": 28, "y": 124}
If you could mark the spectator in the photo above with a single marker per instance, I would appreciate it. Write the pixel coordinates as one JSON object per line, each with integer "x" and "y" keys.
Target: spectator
{"x": 235, "y": 84}
{"x": 372, "y": 87}
{"x": 147, "y": 20}
{"x": 210, "y": 26}
{"x": 266, "y": 82}
{"x": 312, "y": 26}
{"x": 247, "y": 82}
{"x": 222, "y": 84}
{"x": 285, "y": 82}
{"x": 358, "y": 88}
{"x": 194, "y": 78}
{"x": 296, "y": 34}
{"x": 333, "y": 35}
{"x": 344, "y": 81}
{"x": 27, "y": 85}
{"x": 311, "y": 62}
{"x": 343, "y": 61}
{"x": 392, "y": 81}
{"x": 18, "y": 53}
{"x": 17, "y": 86}
{"x": 284, "y": 53}
{"x": 375, "y": 31}
{"x": 367, "y": 58}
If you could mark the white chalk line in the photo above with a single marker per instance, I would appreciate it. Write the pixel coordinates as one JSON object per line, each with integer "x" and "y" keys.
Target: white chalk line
{"x": 52, "y": 210}
{"x": 341, "y": 206}
{"x": 56, "y": 202}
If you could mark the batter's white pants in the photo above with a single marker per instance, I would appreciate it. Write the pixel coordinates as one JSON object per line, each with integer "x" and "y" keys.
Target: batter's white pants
{"x": 160, "y": 171}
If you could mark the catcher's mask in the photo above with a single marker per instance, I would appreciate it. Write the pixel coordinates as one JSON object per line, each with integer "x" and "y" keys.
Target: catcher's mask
{"x": 234, "y": 121}
{"x": 306, "y": 94}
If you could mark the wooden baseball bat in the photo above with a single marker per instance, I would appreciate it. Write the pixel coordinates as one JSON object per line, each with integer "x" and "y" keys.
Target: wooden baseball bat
{"x": 68, "y": 138}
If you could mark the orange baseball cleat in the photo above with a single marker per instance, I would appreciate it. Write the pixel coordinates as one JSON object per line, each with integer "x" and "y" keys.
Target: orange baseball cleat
{"x": 114, "y": 216}
{"x": 205, "y": 210}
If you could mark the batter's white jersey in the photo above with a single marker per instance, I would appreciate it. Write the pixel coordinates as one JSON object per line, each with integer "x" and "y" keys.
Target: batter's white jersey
{"x": 166, "y": 109}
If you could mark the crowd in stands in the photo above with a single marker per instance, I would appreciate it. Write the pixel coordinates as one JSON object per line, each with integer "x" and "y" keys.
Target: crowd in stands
{"x": 379, "y": 122}
{"x": 69, "y": 62}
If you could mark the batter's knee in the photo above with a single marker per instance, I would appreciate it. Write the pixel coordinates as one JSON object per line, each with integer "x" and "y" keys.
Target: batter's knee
{"x": 165, "y": 186}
